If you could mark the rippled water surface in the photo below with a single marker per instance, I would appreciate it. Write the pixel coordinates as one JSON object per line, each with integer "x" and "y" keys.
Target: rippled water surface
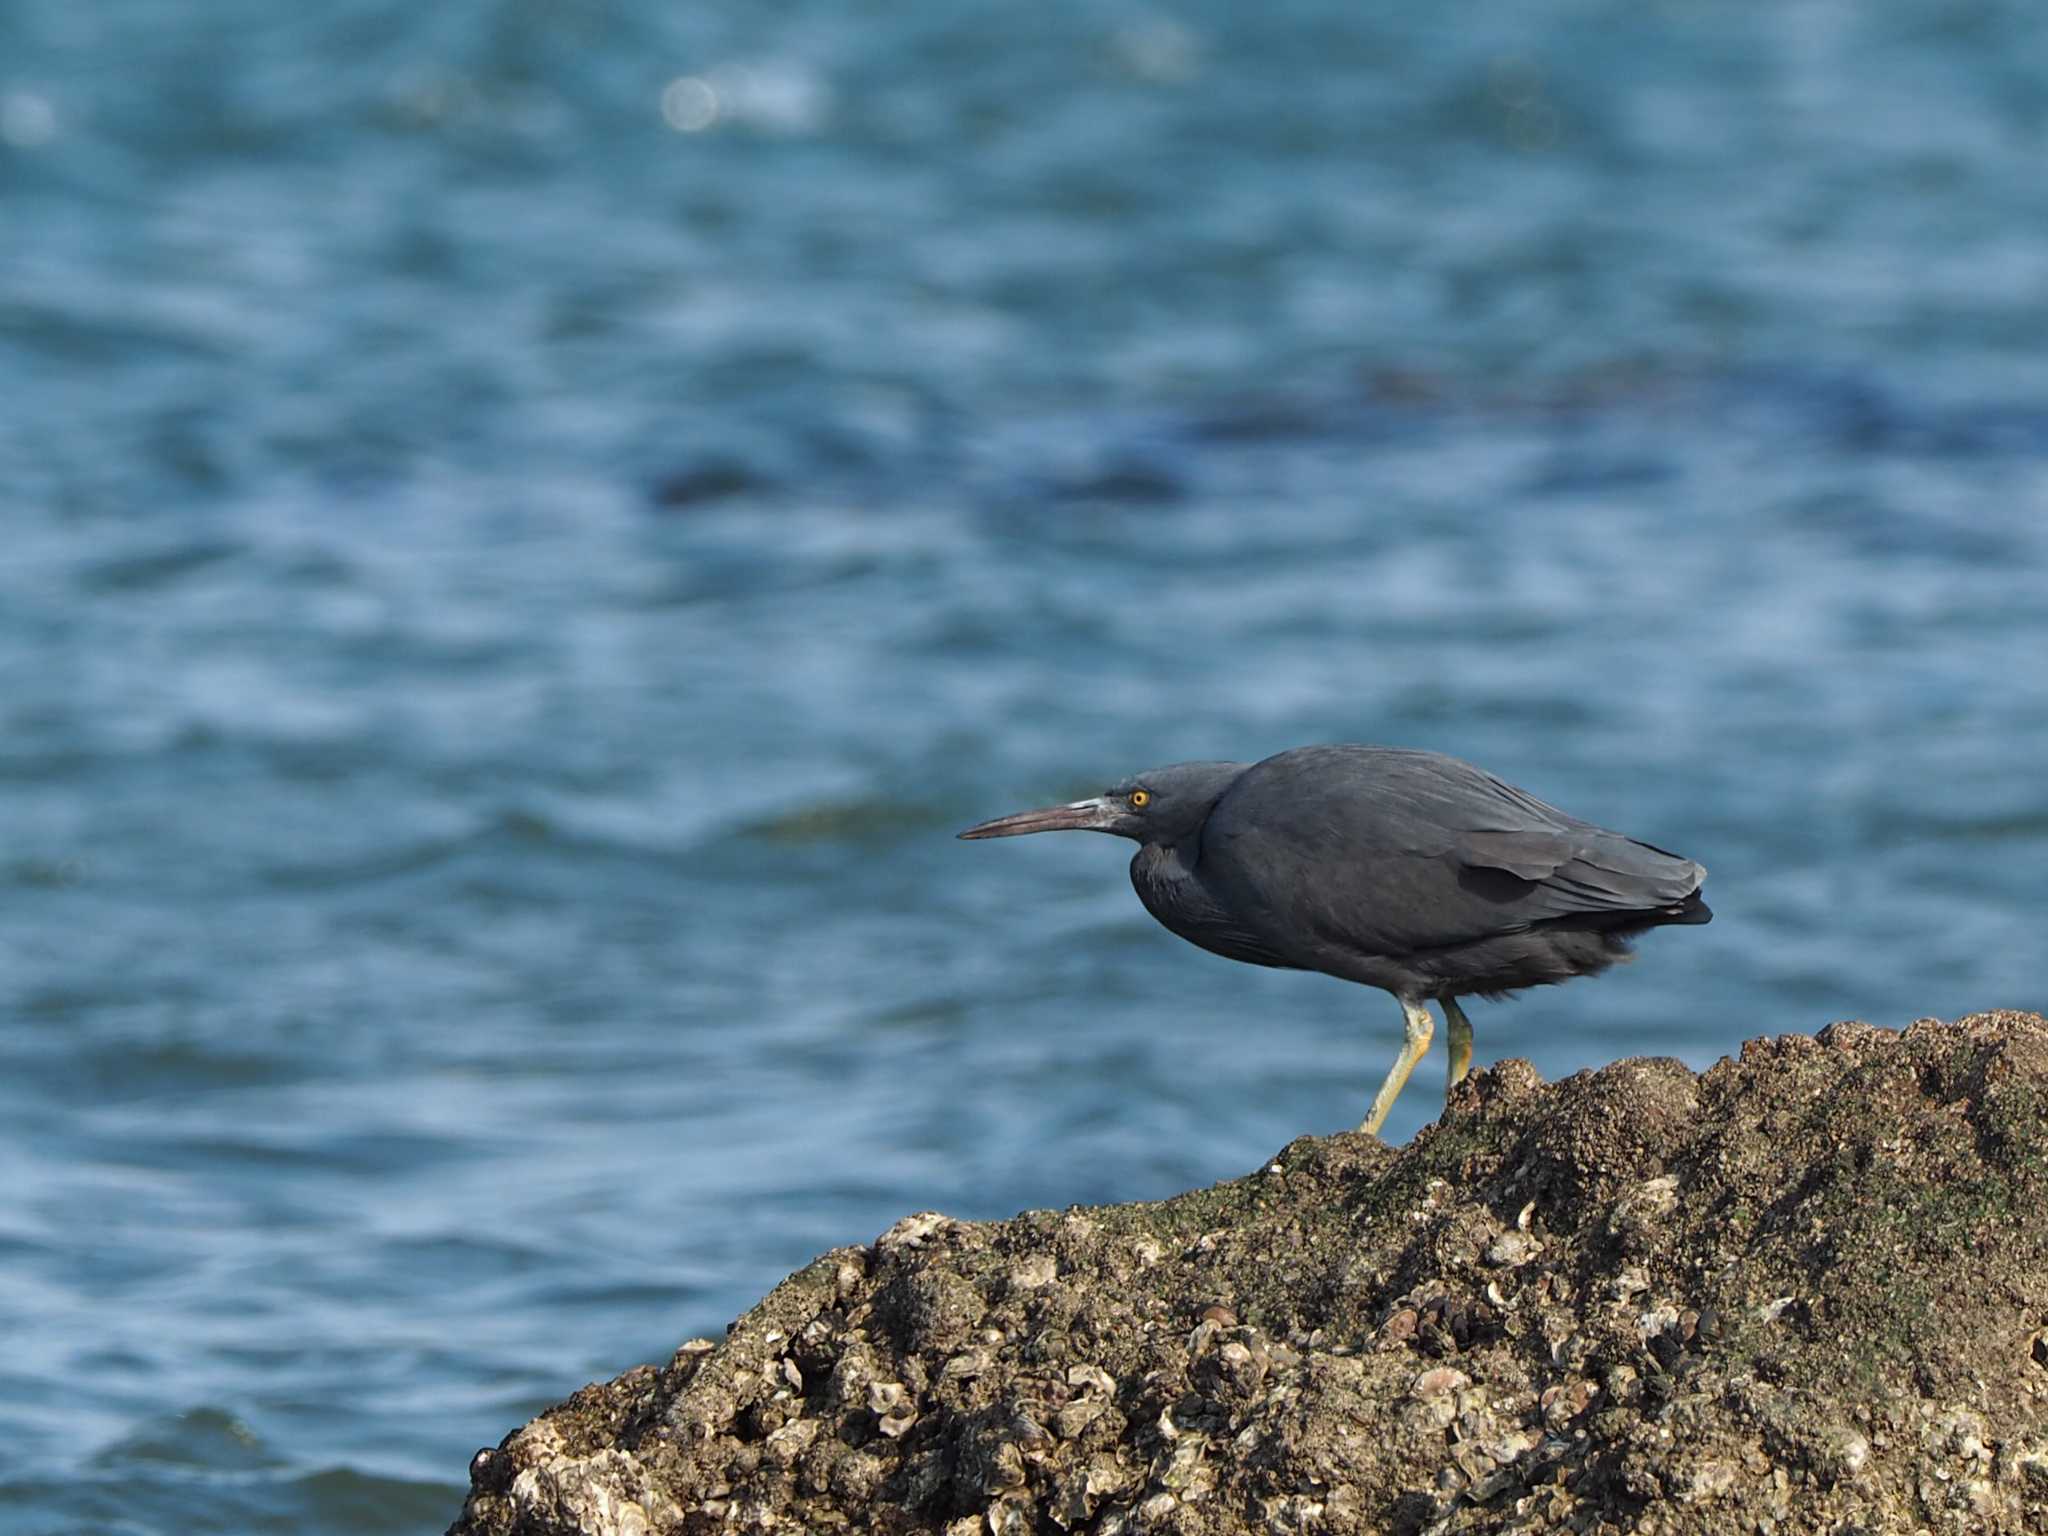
{"x": 527, "y": 527}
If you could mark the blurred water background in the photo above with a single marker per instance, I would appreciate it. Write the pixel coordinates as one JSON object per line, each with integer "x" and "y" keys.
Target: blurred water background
{"x": 527, "y": 527}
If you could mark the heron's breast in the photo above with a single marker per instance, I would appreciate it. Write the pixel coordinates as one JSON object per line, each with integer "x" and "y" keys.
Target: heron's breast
{"x": 1174, "y": 893}
{"x": 1166, "y": 886}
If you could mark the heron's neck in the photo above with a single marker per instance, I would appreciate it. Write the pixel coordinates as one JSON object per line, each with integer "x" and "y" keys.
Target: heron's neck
{"x": 1165, "y": 879}
{"x": 1166, "y": 861}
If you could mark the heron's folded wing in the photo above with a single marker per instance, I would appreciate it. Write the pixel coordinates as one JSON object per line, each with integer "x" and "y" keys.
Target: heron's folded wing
{"x": 1424, "y": 853}
{"x": 1573, "y": 871}
{"x": 1560, "y": 866}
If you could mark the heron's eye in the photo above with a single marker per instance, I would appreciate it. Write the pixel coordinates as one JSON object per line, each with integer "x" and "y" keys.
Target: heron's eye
{"x": 1140, "y": 798}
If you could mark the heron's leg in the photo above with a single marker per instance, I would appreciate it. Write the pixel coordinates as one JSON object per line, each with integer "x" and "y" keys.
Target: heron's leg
{"x": 1457, "y": 1041}
{"x": 1420, "y": 1027}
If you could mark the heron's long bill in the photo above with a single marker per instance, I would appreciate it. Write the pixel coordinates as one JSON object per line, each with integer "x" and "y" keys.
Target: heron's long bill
{"x": 1080, "y": 816}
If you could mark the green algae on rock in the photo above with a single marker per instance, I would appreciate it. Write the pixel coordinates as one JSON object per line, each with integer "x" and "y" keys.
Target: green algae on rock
{"x": 1804, "y": 1291}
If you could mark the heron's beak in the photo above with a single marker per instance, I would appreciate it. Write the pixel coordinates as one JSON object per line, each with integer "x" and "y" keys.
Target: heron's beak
{"x": 1081, "y": 816}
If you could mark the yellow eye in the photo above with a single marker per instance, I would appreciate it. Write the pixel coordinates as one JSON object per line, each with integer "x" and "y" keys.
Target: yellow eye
{"x": 1140, "y": 798}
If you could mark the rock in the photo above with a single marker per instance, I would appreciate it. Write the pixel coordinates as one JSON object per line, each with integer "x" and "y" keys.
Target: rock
{"x": 1804, "y": 1291}
{"x": 1511, "y": 1250}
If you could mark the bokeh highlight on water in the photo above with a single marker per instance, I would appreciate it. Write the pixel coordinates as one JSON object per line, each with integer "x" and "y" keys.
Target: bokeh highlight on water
{"x": 528, "y": 527}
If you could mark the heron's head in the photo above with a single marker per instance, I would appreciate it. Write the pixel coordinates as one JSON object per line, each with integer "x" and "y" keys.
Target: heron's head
{"x": 1162, "y": 806}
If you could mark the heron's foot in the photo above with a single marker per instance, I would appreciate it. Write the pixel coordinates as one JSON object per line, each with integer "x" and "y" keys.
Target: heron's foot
{"x": 1420, "y": 1027}
{"x": 1457, "y": 1042}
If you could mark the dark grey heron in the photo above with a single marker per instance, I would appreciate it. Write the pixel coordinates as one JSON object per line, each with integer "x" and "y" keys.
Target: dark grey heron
{"x": 1404, "y": 870}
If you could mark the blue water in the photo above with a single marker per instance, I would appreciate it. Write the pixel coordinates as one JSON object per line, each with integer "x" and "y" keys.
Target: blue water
{"x": 527, "y": 527}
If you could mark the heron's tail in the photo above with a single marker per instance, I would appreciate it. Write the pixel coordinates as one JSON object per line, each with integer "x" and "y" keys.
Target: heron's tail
{"x": 1691, "y": 910}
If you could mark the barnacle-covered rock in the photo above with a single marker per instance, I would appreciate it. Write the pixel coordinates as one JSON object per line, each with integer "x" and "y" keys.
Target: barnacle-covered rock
{"x": 1804, "y": 1291}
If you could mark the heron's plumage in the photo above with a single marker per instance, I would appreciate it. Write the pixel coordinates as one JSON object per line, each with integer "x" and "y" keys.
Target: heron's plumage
{"x": 1396, "y": 868}
{"x": 1352, "y": 856}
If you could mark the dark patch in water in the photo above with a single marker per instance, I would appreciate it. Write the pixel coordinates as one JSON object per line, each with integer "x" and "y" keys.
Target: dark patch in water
{"x": 711, "y": 480}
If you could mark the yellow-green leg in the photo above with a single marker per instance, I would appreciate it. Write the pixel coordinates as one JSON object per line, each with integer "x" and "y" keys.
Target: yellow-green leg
{"x": 1420, "y": 1027}
{"x": 1457, "y": 1042}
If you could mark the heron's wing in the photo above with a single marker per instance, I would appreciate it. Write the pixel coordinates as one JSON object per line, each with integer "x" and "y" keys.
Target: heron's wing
{"x": 1573, "y": 871}
{"x": 1384, "y": 852}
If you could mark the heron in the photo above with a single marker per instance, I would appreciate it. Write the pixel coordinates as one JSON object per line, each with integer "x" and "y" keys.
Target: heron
{"x": 1396, "y": 868}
